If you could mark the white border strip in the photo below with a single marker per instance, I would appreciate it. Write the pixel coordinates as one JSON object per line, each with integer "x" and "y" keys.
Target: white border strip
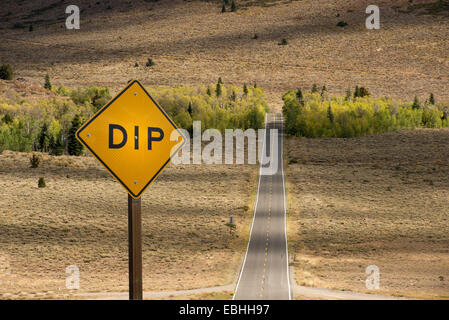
{"x": 255, "y": 210}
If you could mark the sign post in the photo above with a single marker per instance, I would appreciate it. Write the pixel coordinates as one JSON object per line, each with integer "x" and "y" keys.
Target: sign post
{"x": 134, "y": 139}
{"x": 135, "y": 248}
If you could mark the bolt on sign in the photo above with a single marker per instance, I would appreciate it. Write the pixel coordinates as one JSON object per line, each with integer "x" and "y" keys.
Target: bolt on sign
{"x": 132, "y": 137}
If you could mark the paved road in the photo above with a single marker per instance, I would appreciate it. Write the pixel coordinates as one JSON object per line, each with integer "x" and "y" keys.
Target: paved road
{"x": 264, "y": 273}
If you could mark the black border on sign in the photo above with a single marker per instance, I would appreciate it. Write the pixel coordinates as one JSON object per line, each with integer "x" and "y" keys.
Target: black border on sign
{"x": 84, "y": 126}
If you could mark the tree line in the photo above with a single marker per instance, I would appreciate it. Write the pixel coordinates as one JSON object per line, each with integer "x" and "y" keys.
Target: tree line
{"x": 49, "y": 125}
{"x": 317, "y": 114}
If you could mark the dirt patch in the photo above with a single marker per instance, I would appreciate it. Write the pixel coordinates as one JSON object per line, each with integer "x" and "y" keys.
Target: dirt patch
{"x": 377, "y": 200}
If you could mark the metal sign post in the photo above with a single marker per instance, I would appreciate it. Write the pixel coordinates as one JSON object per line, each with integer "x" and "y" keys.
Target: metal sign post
{"x": 135, "y": 248}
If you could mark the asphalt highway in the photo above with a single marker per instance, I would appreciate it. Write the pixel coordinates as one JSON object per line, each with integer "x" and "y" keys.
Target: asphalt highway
{"x": 264, "y": 273}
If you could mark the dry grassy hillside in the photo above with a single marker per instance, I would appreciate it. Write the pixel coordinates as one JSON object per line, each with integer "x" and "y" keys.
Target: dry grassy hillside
{"x": 80, "y": 218}
{"x": 192, "y": 42}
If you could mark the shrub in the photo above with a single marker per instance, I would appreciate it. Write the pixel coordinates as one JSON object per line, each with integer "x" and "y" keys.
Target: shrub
{"x": 341, "y": 24}
{"x": 95, "y": 97}
{"x": 363, "y": 92}
{"x": 35, "y": 160}
{"x": 7, "y": 119}
{"x": 150, "y": 62}
{"x": 255, "y": 36}
{"x": 6, "y": 72}
{"x": 41, "y": 183}
{"x": 233, "y": 96}
{"x": 283, "y": 42}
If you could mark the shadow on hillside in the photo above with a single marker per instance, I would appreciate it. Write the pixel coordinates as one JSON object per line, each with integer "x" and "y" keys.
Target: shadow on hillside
{"x": 209, "y": 44}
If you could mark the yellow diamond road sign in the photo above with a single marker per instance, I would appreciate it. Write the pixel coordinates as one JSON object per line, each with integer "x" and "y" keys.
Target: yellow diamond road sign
{"x": 132, "y": 137}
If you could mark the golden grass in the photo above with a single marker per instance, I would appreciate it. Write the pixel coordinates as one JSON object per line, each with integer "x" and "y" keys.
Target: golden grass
{"x": 80, "y": 219}
{"x": 377, "y": 200}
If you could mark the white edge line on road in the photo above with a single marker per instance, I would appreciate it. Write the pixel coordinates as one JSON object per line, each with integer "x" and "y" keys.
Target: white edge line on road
{"x": 285, "y": 210}
{"x": 255, "y": 209}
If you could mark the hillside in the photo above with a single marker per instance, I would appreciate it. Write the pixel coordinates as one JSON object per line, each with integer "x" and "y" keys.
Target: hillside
{"x": 192, "y": 42}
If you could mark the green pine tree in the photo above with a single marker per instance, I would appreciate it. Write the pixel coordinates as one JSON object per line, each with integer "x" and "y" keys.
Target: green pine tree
{"x": 220, "y": 81}
{"x": 47, "y": 84}
{"x": 44, "y": 138}
{"x": 416, "y": 104}
{"x": 357, "y": 92}
{"x": 74, "y": 147}
{"x": 208, "y": 92}
{"x": 6, "y": 72}
{"x": 233, "y": 6}
{"x": 323, "y": 90}
{"x": 245, "y": 89}
{"x": 189, "y": 109}
{"x": 330, "y": 114}
{"x": 432, "y": 99}
{"x": 314, "y": 88}
{"x": 218, "y": 89}
{"x": 56, "y": 145}
{"x": 41, "y": 182}
{"x": 299, "y": 95}
{"x": 223, "y": 9}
